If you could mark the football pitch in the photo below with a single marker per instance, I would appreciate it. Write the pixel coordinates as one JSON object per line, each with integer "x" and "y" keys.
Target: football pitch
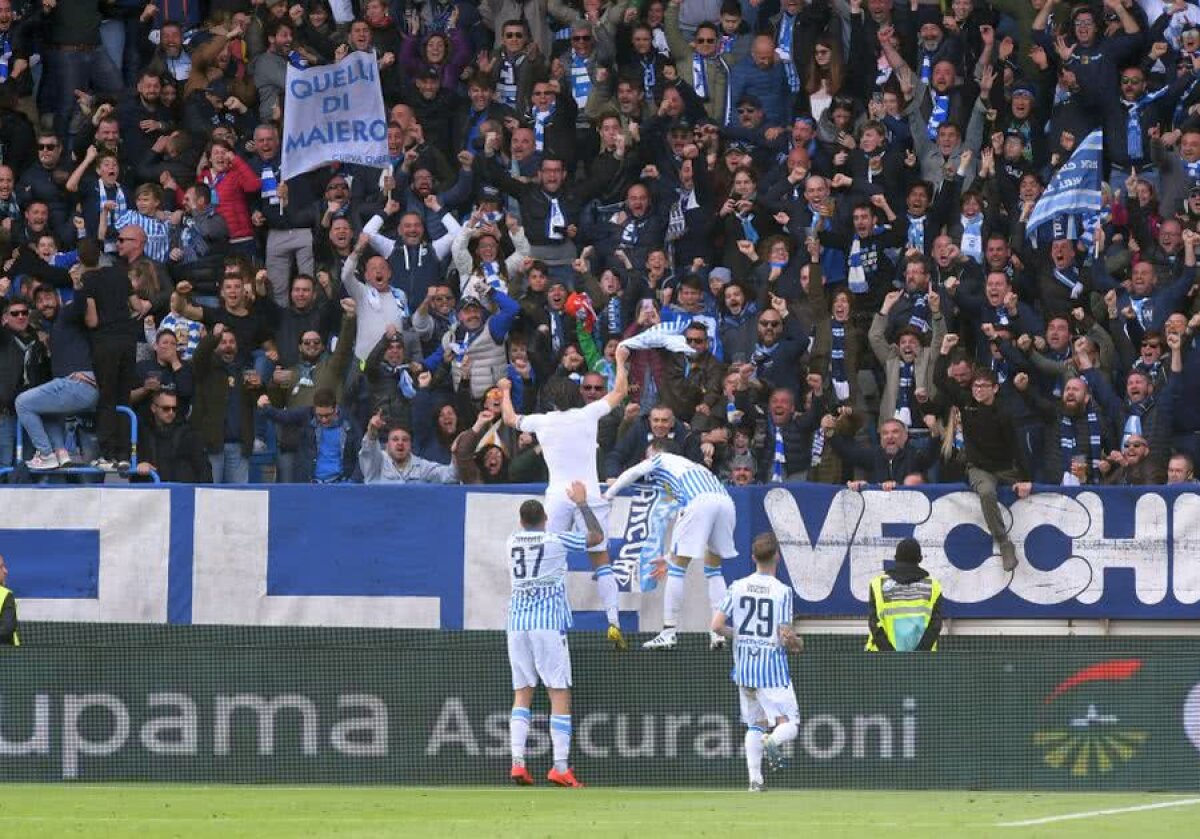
{"x": 36, "y": 810}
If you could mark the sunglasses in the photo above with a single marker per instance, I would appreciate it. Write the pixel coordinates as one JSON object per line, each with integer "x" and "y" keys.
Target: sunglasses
{"x": 508, "y": 36}
{"x": 581, "y": 37}
{"x": 47, "y": 146}
{"x": 706, "y": 40}
{"x": 592, "y": 387}
{"x": 168, "y": 408}
{"x": 23, "y": 313}
{"x": 697, "y": 342}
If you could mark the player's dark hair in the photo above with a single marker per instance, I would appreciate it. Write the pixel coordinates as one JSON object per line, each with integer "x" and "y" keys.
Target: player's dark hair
{"x": 663, "y": 444}
{"x": 532, "y": 513}
{"x": 765, "y": 548}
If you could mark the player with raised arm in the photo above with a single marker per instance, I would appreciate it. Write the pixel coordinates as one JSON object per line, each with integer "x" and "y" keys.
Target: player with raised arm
{"x": 568, "y": 441}
{"x": 757, "y": 614}
{"x": 538, "y": 618}
{"x": 704, "y": 528}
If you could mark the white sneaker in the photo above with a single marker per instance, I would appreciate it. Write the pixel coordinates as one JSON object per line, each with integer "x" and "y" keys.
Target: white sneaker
{"x": 64, "y": 457}
{"x": 664, "y": 640}
{"x": 757, "y": 786}
{"x": 43, "y": 462}
{"x": 715, "y": 641}
{"x": 104, "y": 464}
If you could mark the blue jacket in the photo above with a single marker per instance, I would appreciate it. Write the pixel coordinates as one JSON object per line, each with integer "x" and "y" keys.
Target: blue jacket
{"x": 770, "y": 85}
{"x": 306, "y": 465}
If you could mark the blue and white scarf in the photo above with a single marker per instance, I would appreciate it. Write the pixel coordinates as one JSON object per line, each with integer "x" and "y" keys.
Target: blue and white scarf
{"x": 818, "y": 446}
{"x": 270, "y": 185}
{"x": 939, "y": 114}
{"x": 784, "y": 40}
{"x": 492, "y": 276}
{"x": 296, "y": 60}
{"x": 649, "y": 75}
{"x": 857, "y": 274}
{"x": 1133, "y": 423}
{"x": 1134, "y": 146}
{"x": 779, "y": 458}
{"x": 506, "y": 84}
{"x": 748, "y": 231}
{"x": 1068, "y": 445}
{"x": 904, "y": 393}
{"x": 5, "y": 55}
{"x": 540, "y": 118}
{"x": 555, "y": 220}
{"x": 972, "y": 239}
{"x": 919, "y": 317}
{"x": 837, "y": 360}
{"x": 916, "y": 233}
{"x": 614, "y": 322}
{"x": 699, "y": 76}
{"x": 581, "y": 80}
{"x": 1069, "y": 279}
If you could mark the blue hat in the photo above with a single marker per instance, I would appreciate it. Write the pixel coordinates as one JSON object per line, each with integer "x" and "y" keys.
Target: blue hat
{"x": 1024, "y": 89}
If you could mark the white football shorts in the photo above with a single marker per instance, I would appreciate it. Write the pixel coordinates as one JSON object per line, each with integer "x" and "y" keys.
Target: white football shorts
{"x": 706, "y": 525}
{"x": 759, "y": 704}
{"x": 539, "y": 655}
{"x": 562, "y": 516}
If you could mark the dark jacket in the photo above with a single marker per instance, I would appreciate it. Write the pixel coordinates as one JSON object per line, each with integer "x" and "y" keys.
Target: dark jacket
{"x": 631, "y": 447}
{"x": 879, "y": 466}
{"x": 306, "y": 460}
{"x": 688, "y": 383}
{"x": 213, "y": 393}
{"x": 175, "y": 452}
{"x": 989, "y": 433}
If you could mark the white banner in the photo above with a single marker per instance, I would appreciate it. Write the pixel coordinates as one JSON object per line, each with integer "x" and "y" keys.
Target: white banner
{"x": 334, "y": 113}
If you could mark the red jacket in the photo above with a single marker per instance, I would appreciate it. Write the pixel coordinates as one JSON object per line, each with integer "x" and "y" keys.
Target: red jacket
{"x": 232, "y": 189}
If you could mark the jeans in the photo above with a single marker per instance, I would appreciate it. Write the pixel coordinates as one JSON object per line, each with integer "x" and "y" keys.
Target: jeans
{"x": 229, "y": 466}
{"x": 8, "y": 439}
{"x": 43, "y": 409}
{"x": 282, "y": 247}
{"x": 285, "y": 467}
{"x": 89, "y": 69}
{"x": 120, "y": 39}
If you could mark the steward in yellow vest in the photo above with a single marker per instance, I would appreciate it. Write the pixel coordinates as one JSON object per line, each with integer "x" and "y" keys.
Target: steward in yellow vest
{"x": 8, "y": 612}
{"x": 905, "y": 607}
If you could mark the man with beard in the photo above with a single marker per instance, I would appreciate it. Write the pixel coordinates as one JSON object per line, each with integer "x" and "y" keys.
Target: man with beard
{"x": 907, "y": 364}
{"x": 223, "y": 413}
{"x": 142, "y": 118}
{"x": 295, "y": 387}
{"x": 1078, "y": 433}
{"x": 168, "y": 446}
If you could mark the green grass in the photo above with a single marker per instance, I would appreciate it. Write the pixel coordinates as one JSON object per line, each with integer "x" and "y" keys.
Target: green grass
{"x": 145, "y": 811}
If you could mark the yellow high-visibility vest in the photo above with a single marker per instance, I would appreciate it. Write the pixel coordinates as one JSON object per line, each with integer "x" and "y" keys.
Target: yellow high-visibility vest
{"x": 904, "y": 610}
{"x": 4, "y": 595}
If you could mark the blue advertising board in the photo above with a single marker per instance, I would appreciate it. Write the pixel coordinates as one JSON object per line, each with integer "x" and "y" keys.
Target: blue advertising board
{"x": 432, "y": 557}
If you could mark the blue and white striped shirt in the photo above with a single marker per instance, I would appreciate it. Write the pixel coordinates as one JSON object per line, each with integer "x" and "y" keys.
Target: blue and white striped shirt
{"x": 537, "y": 566}
{"x": 682, "y": 478}
{"x": 158, "y": 233}
{"x": 755, "y": 607}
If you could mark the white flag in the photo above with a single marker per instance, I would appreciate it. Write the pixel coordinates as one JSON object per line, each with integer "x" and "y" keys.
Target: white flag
{"x": 334, "y": 112}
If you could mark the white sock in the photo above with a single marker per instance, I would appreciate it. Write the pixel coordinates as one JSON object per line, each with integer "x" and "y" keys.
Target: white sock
{"x": 673, "y": 594}
{"x": 607, "y": 583}
{"x": 716, "y": 585}
{"x": 560, "y": 736}
{"x": 518, "y": 732}
{"x": 754, "y": 753}
{"x": 784, "y": 733}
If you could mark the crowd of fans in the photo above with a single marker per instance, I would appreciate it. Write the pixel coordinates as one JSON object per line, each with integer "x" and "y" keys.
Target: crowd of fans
{"x": 818, "y": 207}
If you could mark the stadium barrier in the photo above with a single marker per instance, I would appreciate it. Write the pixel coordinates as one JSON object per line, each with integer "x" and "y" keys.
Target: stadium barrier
{"x": 431, "y": 557}
{"x": 288, "y": 705}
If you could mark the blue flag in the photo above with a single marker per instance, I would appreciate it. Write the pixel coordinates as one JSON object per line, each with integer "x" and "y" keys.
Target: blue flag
{"x": 1075, "y": 187}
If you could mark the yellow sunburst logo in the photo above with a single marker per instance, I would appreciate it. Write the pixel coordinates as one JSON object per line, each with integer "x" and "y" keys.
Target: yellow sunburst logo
{"x": 1093, "y": 743}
